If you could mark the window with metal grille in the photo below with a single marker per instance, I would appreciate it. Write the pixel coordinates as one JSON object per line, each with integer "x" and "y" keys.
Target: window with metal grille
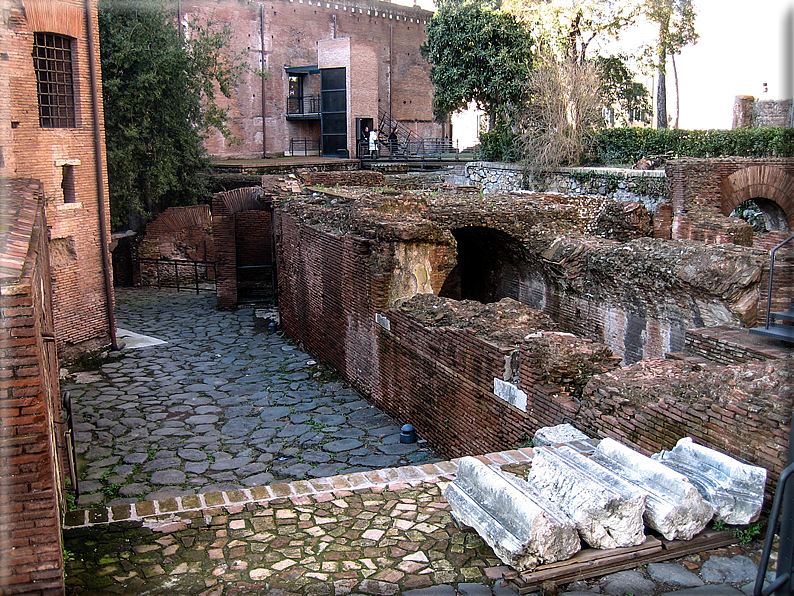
{"x": 52, "y": 60}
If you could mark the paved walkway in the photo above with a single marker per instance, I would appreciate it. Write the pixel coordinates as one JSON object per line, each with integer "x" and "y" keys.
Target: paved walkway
{"x": 187, "y": 446}
{"x": 223, "y": 404}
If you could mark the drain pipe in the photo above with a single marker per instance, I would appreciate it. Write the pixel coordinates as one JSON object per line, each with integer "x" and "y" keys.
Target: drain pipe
{"x": 100, "y": 179}
{"x": 262, "y": 75}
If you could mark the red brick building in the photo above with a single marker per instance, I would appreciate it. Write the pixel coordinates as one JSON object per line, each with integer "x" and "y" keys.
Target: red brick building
{"x": 332, "y": 68}
{"x": 52, "y": 130}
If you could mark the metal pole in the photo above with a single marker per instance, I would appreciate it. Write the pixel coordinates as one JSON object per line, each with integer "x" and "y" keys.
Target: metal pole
{"x": 176, "y": 274}
{"x": 100, "y": 178}
{"x": 262, "y": 75}
{"x": 785, "y": 551}
{"x": 195, "y": 275}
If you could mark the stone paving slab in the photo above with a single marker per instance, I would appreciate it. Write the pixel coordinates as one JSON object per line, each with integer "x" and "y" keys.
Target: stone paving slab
{"x": 221, "y": 404}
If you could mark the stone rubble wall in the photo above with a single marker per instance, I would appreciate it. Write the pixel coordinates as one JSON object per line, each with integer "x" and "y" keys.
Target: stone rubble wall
{"x": 620, "y": 184}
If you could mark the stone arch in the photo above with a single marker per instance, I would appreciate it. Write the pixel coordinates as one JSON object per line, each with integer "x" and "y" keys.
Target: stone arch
{"x": 759, "y": 182}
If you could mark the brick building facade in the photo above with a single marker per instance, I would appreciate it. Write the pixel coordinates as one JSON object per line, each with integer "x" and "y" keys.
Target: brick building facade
{"x": 51, "y": 123}
{"x": 332, "y": 68}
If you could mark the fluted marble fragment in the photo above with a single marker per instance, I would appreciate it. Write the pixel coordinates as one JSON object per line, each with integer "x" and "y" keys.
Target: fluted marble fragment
{"x": 522, "y": 527}
{"x": 607, "y": 510}
{"x": 674, "y": 507}
{"x": 733, "y": 488}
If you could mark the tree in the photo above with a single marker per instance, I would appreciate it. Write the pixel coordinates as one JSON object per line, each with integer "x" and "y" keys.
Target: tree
{"x": 478, "y": 54}
{"x": 563, "y": 112}
{"x": 569, "y": 29}
{"x": 160, "y": 88}
{"x": 619, "y": 89}
{"x": 676, "y": 22}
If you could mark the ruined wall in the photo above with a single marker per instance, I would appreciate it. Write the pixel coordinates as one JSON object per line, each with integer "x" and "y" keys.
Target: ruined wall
{"x": 80, "y": 300}
{"x": 31, "y": 464}
{"x": 179, "y": 233}
{"x": 749, "y": 112}
{"x": 620, "y": 184}
{"x": 743, "y": 410}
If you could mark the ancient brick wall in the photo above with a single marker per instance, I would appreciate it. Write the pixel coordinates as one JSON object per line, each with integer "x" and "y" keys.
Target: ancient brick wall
{"x": 439, "y": 374}
{"x": 31, "y": 468}
{"x": 50, "y": 155}
{"x": 179, "y": 233}
{"x": 399, "y": 75}
{"x": 743, "y": 410}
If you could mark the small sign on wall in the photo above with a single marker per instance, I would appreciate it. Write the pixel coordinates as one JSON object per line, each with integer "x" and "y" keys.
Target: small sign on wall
{"x": 510, "y": 393}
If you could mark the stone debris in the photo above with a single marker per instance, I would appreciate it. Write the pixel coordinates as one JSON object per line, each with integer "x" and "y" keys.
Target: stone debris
{"x": 734, "y": 489}
{"x": 674, "y": 506}
{"x": 607, "y": 510}
{"x": 522, "y": 526}
{"x": 556, "y": 435}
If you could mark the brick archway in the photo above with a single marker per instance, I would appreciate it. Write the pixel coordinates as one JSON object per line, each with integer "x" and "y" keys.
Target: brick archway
{"x": 753, "y": 182}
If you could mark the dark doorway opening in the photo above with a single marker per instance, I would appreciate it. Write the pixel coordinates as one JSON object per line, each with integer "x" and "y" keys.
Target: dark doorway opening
{"x": 763, "y": 214}
{"x": 489, "y": 266}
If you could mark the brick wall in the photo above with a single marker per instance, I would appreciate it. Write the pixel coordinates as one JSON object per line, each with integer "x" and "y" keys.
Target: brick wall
{"x": 31, "y": 470}
{"x": 242, "y": 236}
{"x": 743, "y": 410}
{"x": 439, "y": 376}
{"x": 80, "y": 300}
{"x": 292, "y": 29}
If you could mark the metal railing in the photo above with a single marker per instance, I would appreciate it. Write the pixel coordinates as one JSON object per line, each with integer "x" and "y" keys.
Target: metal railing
{"x": 771, "y": 275}
{"x": 177, "y": 273}
{"x": 437, "y": 148}
{"x": 304, "y": 105}
{"x": 782, "y": 507}
{"x": 305, "y": 146}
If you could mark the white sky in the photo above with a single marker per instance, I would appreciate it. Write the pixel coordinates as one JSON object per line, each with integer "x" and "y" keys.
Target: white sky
{"x": 741, "y": 47}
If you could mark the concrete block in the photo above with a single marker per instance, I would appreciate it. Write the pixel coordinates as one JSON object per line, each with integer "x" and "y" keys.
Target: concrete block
{"x": 733, "y": 488}
{"x": 523, "y": 528}
{"x": 674, "y": 506}
{"x": 556, "y": 435}
{"x": 607, "y": 510}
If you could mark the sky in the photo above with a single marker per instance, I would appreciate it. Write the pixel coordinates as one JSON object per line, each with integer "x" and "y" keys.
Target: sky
{"x": 743, "y": 44}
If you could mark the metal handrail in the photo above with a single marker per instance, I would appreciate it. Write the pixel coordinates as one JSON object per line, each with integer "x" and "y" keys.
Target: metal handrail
{"x": 303, "y": 105}
{"x": 785, "y": 576}
{"x": 177, "y": 263}
{"x": 771, "y": 275}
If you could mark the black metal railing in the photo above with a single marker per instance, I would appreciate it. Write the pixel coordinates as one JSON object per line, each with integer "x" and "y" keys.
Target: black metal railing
{"x": 437, "y": 148}
{"x": 771, "y": 275}
{"x": 304, "y": 105}
{"x": 304, "y": 146}
{"x": 177, "y": 273}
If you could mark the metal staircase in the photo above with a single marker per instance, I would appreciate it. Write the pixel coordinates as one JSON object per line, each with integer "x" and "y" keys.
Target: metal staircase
{"x": 778, "y": 324}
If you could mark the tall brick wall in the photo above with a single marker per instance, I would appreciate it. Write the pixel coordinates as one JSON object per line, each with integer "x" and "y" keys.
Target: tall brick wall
{"x": 80, "y": 301}
{"x": 398, "y": 75}
{"x": 31, "y": 470}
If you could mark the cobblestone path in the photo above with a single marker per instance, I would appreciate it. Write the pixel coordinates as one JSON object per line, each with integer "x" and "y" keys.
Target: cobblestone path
{"x": 223, "y": 404}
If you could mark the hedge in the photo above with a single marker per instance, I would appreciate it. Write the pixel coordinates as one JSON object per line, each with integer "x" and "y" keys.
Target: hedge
{"x": 615, "y": 146}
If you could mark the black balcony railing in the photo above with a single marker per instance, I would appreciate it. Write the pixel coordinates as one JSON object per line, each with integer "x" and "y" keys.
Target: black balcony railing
{"x": 305, "y": 105}
{"x": 304, "y": 146}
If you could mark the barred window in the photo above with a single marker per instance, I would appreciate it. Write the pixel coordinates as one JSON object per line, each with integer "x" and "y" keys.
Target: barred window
{"x": 52, "y": 60}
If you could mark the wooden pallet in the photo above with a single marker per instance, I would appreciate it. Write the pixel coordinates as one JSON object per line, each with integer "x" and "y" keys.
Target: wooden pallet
{"x": 593, "y": 562}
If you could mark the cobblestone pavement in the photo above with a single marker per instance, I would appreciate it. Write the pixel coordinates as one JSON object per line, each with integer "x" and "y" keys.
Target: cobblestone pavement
{"x": 212, "y": 456}
{"x": 223, "y": 404}
{"x": 382, "y": 532}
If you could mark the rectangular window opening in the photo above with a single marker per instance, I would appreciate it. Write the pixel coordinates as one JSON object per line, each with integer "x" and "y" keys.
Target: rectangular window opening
{"x": 68, "y": 186}
{"x": 52, "y": 61}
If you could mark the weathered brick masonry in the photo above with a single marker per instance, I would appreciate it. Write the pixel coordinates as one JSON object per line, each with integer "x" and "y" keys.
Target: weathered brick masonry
{"x": 346, "y": 270}
{"x": 53, "y": 155}
{"x": 31, "y": 470}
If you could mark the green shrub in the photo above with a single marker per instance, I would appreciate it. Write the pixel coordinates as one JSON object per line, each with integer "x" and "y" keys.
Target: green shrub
{"x": 615, "y": 146}
{"x": 498, "y": 144}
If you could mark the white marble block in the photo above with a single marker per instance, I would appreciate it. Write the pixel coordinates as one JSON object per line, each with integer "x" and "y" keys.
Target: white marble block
{"x": 523, "y": 528}
{"x": 674, "y": 507}
{"x": 607, "y": 510}
{"x": 733, "y": 488}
